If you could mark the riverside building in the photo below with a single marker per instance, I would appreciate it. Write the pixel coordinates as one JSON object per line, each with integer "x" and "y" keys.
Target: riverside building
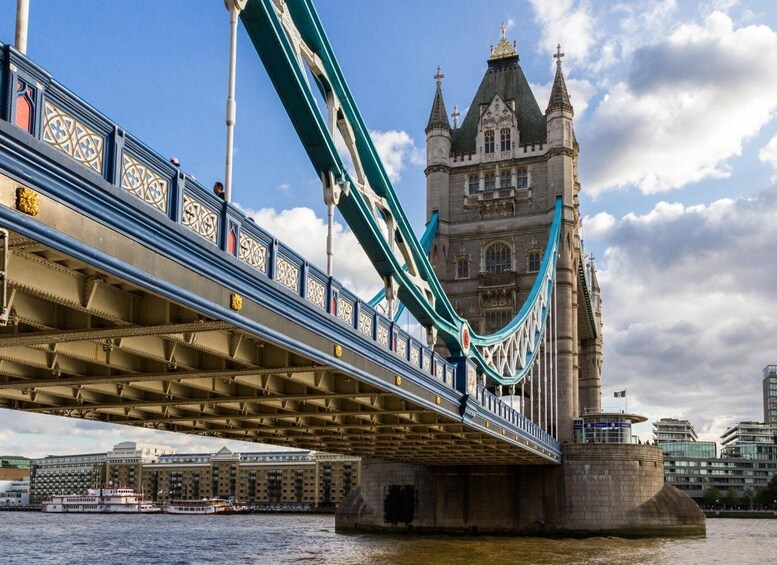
{"x": 14, "y": 468}
{"x": 748, "y": 459}
{"x": 281, "y": 480}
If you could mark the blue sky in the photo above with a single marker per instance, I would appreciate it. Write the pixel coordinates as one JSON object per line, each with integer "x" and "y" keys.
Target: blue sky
{"x": 675, "y": 112}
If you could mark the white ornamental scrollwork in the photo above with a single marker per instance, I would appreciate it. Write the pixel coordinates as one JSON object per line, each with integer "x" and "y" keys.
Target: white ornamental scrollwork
{"x": 401, "y": 346}
{"x": 383, "y": 335}
{"x": 345, "y": 310}
{"x": 414, "y": 353}
{"x": 199, "y": 218}
{"x": 64, "y": 132}
{"x": 365, "y": 323}
{"x": 316, "y": 292}
{"x": 143, "y": 182}
{"x": 253, "y": 252}
{"x": 287, "y": 274}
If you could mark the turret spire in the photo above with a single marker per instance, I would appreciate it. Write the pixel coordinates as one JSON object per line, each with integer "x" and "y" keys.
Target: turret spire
{"x": 438, "y": 118}
{"x": 559, "y": 98}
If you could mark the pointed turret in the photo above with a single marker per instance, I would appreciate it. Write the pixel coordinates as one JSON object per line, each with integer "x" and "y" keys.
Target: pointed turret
{"x": 559, "y": 98}
{"x": 438, "y": 118}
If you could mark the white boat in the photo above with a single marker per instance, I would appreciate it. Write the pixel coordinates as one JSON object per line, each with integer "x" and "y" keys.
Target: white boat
{"x": 204, "y": 506}
{"x": 100, "y": 501}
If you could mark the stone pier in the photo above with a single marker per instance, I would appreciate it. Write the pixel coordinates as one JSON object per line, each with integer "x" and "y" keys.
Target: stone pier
{"x": 600, "y": 489}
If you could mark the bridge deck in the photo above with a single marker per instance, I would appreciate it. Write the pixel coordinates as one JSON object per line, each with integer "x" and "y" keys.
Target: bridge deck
{"x": 134, "y": 310}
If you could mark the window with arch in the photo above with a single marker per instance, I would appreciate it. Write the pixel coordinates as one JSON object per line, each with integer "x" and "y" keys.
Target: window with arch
{"x": 488, "y": 139}
{"x": 497, "y": 319}
{"x": 474, "y": 184}
{"x": 489, "y": 181}
{"x": 504, "y": 139}
{"x": 504, "y": 179}
{"x": 462, "y": 268}
{"x": 498, "y": 258}
{"x": 522, "y": 178}
{"x": 534, "y": 261}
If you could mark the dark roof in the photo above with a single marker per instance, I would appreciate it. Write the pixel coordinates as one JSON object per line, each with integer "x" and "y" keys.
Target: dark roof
{"x": 438, "y": 118}
{"x": 505, "y": 77}
{"x": 559, "y": 99}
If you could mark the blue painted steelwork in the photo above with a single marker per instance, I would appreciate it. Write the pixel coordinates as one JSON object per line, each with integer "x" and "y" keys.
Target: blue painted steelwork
{"x": 288, "y": 38}
{"x": 65, "y": 179}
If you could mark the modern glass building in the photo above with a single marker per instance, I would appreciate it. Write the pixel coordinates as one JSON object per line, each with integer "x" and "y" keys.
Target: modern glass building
{"x": 672, "y": 429}
{"x": 693, "y": 449}
{"x": 770, "y": 394}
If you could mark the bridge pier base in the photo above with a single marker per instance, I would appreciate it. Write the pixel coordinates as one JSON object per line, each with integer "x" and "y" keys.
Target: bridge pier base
{"x": 600, "y": 489}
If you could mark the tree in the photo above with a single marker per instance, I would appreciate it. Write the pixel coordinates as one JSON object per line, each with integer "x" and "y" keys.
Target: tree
{"x": 712, "y": 496}
{"x": 731, "y": 499}
{"x": 747, "y": 499}
{"x": 768, "y": 495}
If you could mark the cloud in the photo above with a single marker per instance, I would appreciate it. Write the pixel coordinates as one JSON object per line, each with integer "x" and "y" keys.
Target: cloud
{"x": 768, "y": 154}
{"x": 689, "y": 307}
{"x": 689, "y": 103}
{"x": 304, "y": 232}
{"x": 284, "y": 187}
{"x": 580, "y": 93}
{"x": 510, "y": 23}
{"x": 396, "y": 150}
{"x": 566, "y": 22}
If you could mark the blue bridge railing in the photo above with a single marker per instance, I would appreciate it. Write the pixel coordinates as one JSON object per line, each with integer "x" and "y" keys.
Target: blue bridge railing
{"x": 46, "y": 110}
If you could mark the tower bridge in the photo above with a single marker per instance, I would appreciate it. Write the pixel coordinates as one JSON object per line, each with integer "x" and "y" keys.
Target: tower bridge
{"x": 133, "y": 295}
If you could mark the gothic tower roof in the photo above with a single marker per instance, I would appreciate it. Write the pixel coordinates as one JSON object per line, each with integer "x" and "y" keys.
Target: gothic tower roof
{"x": 505, "y": 77}
{"x": 438, "y": 118}
{"x": 559, "y": 98}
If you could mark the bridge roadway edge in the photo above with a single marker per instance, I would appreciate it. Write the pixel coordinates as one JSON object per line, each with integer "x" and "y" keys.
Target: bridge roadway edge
{"x": 65, "y": 184}
{"x": 600, "y": 489}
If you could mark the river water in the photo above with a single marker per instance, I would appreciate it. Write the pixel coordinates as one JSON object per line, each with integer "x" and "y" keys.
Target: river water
{"x": 33, "y": 537}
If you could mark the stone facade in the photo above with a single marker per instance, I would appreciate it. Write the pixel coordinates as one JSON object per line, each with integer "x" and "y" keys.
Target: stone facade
{"x": 494, "y": 182}
{"x": 600, "y": 489}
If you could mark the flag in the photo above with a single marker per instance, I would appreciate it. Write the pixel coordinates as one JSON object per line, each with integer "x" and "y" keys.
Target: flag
{"x": 620, "y": 394}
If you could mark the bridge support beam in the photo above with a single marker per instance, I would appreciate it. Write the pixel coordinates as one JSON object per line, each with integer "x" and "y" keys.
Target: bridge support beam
{"x": 600, "y": 489}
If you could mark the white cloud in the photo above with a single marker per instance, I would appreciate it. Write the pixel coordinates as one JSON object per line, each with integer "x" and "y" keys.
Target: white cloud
{"x": 768, "y": 154}
{"x": 284, "y": 187}
{"x": 689, "y": 103}
{"x": 396, "y": 150}
{"x": 689, "y": 307}
{"x": 305, "y": 233}
{"x": 580, "y": 93}
{"x": 566, "y": 22}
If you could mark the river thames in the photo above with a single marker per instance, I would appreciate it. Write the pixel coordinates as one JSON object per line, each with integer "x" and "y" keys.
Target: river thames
{"x": 32, "y": 537}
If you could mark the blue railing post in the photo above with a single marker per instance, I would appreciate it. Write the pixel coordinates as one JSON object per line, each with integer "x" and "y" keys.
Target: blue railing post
{"x": 115, "y": 151}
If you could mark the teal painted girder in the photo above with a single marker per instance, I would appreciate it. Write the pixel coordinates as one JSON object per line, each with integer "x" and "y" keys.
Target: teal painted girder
{"x": 426, "y": 243}
{"x": 286, "y": 69}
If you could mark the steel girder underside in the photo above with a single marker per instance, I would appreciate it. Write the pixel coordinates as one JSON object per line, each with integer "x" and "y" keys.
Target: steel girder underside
{"x": 84, "y": 344}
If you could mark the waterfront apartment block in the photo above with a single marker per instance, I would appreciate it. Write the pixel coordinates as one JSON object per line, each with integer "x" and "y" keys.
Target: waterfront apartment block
{"x": 303, "y": 480}
{"x": 292, "y": 479}
{"x": 770, "y": 394}
{"x": 748, "y": 458}
{"x": 14, "y": 493}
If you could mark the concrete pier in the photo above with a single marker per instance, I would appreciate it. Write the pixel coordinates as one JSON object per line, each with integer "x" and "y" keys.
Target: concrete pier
{"x": 600, "y": 489}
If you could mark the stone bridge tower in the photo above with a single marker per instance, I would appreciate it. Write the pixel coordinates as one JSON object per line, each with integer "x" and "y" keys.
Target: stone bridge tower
{"x": 494, "y": 179}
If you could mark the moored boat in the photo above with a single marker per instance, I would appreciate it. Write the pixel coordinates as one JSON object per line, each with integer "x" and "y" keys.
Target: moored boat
{"x": 100, "y": 501}
{"x": 204, "y": 506}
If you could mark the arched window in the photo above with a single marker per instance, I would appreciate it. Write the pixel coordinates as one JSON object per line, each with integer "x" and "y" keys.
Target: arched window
{"x": 504, "y": 137}
{"x": 504, "y": 179}
{"x": 489, "y": 181}
{"x": 488, "y": 138}
{"x": 522, "y": 178}
{"x": 498, "y": 258}
{"x": 474, "y": 184}
{"x": 534, "y": 261}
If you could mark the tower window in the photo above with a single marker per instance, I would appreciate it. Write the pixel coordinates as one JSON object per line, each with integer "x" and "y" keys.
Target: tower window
{"x": 489, "y": 141}
{"x": 534, "y": 261}
{"x": 496, "y": 320}
{"x": 504, "y": 138}
{"x": 498, "y": 258}
{"x": 489, "y": 181}
{"x": 522, "y": 178}
{"x": 504, "y": 179}
{"x": 474, "y": 184}
{"x": 462, "y": 268}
